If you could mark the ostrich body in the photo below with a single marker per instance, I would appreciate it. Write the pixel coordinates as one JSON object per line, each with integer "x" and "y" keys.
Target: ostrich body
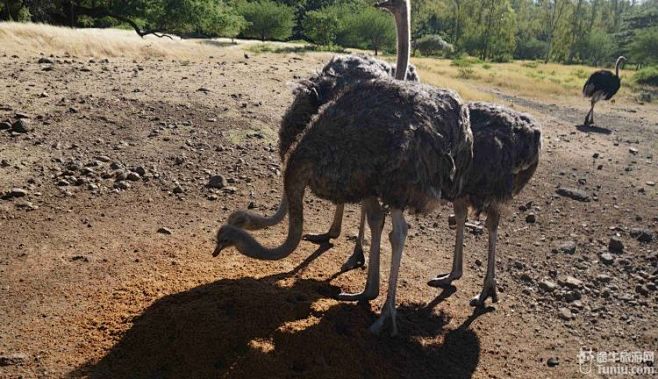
{"x": 399, "y": 142}
{"x": 506, "y": 149}
{"x": 310, "y": 95}
{"x": 602, "y": 85}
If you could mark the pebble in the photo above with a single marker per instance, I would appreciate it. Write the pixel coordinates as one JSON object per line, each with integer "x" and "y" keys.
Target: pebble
{"x": 642, "y": 235}
{"x": 12, "y": 359}
{"x": 573, "y": 193}
{"x": 552, "y": 362}
{"x": 607, "y": 258}
{"x": 16, "y": 193}
{"x": 20, "y": 126}
{"x": 547, "y": 285}
{"x": 616, "y": 245}
{"x": 572, "y": 282}
{"x": 565, "y": 314}
{"x": 166, "y": 231}
{"x": 568, "y": 247}
{"x": 133, "y": 176}
{"x": 531, "y": 218}
{"x": 217, "y": 181}
{"x": 178, "y": 189}
{"x": 45, "y": 60}
{"x": 633, "y": 151}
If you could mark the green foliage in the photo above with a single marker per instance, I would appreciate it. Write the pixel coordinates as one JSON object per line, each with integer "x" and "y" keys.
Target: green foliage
{"x": 267, "y": 20}
{"x": 647, "y": 76}
{"x": 322, "y": 26}
{"x": 597, "y": 48}
{"x": 530, "y": 48}
{"x": 432, "y": 44}
{"x": 370, "y": 28}
{"x": 644, "y": 48}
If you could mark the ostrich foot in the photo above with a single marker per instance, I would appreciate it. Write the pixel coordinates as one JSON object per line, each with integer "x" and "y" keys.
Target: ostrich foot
{"x": 444, "y": 281}
{"x": 355, "y": 261}
{"x": 488, "y": 291}
{"x": 388, "y": 313}
{"x": 319, "y": 238}
{"x": 367, "y": 295}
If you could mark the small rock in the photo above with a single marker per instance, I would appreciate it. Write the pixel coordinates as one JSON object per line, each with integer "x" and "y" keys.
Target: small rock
{"x": 607, "y": 258}
{"x": 572, "y": 282}
{"x": 552, "y": 362}
{"x": 178, "y": 189}
{"x": 616, "y": 245}
{"x": 547, "y": 285}
{"x": 16, "y": 193}
{"x": 531, "y": 218}
{"x": 217, "y": 181}
{"x": 20, "y": 126}
{"x": 568, "y": 247}
{"x": 103, "y": 158}
{"x": 122, "y": 185}
{"x": 573, "y": 193}
{"x": 642, "y": 235}
{"x": 133, "y": 176}
{"x": 165, "y": 231}
{"x": 45, "y": 60}
{"x": 565, "y": 314}
{"x": 633, "y": 151}
{"x": 5, "y": 125}
{"x": 12, "y": 359}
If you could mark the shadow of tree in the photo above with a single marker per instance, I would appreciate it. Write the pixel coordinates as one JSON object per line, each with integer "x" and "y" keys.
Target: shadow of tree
{"x": 262, "y": 328}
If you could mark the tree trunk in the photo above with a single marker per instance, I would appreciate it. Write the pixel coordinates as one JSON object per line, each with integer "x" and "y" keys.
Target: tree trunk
{"x": 8, "y": 11}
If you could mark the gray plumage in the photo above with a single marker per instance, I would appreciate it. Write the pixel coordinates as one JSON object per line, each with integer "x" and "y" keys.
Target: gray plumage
{"x": 506, "y": 146}
{"x": 321, "y": 88}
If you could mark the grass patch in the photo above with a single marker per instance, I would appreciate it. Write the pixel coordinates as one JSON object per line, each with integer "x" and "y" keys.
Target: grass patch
{"x": 259, "y": 48}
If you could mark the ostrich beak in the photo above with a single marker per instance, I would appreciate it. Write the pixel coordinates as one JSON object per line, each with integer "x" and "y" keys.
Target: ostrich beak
{"x": 218, "y": 249}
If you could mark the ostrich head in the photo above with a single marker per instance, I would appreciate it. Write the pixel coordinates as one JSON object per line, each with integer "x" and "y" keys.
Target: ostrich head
{"x": 226, "y": 237}
{"x": 397, "y": 7}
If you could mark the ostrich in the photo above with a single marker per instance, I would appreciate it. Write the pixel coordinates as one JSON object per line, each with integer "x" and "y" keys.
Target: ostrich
{"x": 310, "y": 95}
{"x": 602, "y": 85}
{"x": 506, "y": 148}
{"x": 417, "y": 141}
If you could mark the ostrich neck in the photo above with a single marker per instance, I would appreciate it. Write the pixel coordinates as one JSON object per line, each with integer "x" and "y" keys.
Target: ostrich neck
{"x": 403, "y": 24}
{"x": 618, "y": 67}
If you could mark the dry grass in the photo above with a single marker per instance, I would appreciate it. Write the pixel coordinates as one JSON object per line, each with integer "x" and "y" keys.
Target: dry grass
{"x": 547, "y": 82}
{"x": 28, "y": 38}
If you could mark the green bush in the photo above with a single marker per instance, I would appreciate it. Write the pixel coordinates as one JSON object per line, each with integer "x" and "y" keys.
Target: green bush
{"x": 647, "y": 76}
{"x": 432, "y": 44}
{"x": 267, "y": 20}
{"x": 322, "y": 26}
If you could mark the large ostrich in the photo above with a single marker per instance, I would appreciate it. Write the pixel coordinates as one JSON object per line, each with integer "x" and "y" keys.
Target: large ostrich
{"x": 401, "y": 142}
{"x": 602, "y": 85}
{"x": 310, "y": 95}
{"x": 506, "y": 148}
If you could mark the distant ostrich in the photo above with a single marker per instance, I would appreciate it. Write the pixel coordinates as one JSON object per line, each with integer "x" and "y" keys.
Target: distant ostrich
{"x": 310, "y": 95}
{"x": 506, "y": 148}
{"x": 401, "y": 142}
{"x": 602, "y": 85}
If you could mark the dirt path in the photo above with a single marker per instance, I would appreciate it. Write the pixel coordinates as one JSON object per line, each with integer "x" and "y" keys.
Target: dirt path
{"x": 89, "y": 286}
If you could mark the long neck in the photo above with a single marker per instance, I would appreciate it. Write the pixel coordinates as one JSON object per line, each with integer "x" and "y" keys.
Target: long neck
{"x": 619, "y": 63}
{"x": 255, "y": 221}
{"x": 403, "y": 24}
{"x": 294, "y": 188}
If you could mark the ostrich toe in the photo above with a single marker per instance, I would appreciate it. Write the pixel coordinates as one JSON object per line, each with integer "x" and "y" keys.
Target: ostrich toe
{"x": 388, "y": 313}
{"x": 319, "y": 238}
{"x": 355, "y": 261}
{"x": 488, "y": 291}
{"x": 444, "y": 281}
{"x": 366, "y": 295}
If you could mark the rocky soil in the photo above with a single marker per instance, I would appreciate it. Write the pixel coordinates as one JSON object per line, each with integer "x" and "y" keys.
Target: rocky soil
{"x": 115, "y": 174}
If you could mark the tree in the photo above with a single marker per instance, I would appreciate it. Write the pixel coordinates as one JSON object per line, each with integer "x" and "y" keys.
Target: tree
{"x": 267, "y": 20}
{"x": 644, "y": 48}
{"x": 372, "y": 28}
{"x": 322, "y": 26}
{"x": 432, "y": 44}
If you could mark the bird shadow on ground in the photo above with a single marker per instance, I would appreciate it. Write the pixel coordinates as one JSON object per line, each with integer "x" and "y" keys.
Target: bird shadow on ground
{"x": 265, "y": 328}
{"x": 593, "y": 129}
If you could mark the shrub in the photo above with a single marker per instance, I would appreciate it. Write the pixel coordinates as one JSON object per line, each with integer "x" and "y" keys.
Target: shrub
{"x": 647, "y": 76}
{"x": 432, "y": 44}
{"x": 267, "y": 20}
{"x": 530, "y": 48}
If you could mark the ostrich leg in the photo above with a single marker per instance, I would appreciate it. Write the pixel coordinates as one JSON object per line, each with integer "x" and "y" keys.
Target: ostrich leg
{"x": 375, "y": 215}
{"x": 357, "y": 259}
{"x": 334, "y": 230}
{"x": 445, "y": 280}
{"x": 397, "y": 237}
{"x": 589, "y": 119}
{"x": 489, "y": 287}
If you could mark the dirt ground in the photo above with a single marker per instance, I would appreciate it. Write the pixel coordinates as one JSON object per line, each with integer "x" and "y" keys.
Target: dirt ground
{"x": 91, "y": 285}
